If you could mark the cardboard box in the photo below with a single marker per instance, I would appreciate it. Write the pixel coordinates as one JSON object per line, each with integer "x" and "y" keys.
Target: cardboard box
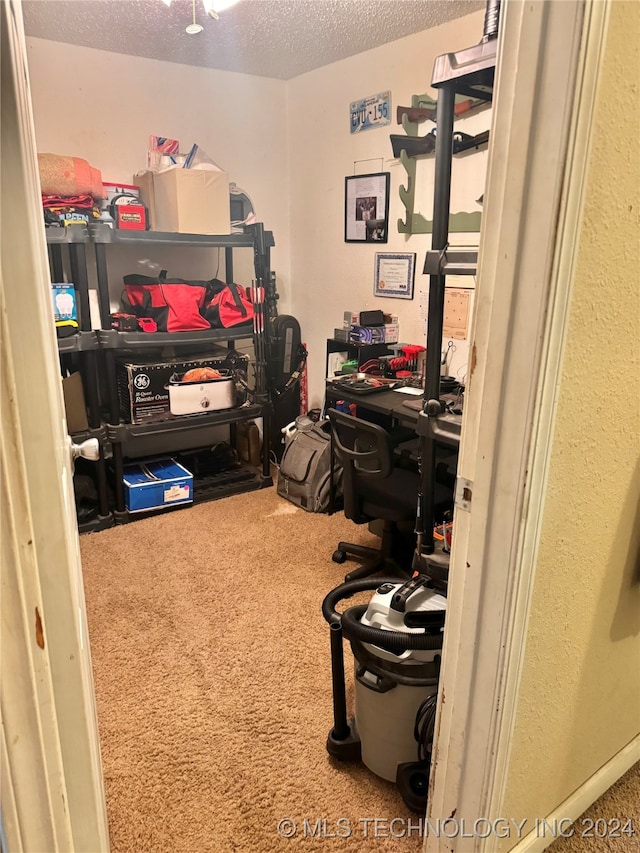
{"x": 74, "y": 403}
{"x": 187, "y": 201}
{"x": 157, "y": 484}
{"x": 144, "y": 181}
{"x": 142, "y": 384}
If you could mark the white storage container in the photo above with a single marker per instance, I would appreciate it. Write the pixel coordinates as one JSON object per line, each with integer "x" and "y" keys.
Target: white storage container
{"x": 210, "y": 395}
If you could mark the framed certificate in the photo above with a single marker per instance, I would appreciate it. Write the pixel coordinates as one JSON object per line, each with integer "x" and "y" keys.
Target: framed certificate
{"x": 366, "y": 208}
{"x": 395, "y": 274}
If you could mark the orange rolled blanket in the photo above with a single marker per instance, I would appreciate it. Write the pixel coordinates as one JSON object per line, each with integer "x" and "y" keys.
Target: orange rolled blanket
{"x": 69, "y": 176}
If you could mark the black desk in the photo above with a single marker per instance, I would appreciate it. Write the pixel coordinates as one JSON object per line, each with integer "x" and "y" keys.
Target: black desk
{"x": 387, "y": 403}
{"x": 390, "y": 410}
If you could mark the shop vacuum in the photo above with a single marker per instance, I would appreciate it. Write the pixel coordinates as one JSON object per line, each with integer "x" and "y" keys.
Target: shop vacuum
{"x": 397, "y": 644}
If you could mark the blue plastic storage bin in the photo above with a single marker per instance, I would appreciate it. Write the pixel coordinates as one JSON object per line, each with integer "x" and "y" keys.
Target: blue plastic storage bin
{"x": 157, "y": 484}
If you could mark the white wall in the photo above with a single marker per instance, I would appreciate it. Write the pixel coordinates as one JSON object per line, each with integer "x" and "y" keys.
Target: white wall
{"x": 287, "y": 144}
{"x": 330, "y": 276}
{"x": 106, "y": 106}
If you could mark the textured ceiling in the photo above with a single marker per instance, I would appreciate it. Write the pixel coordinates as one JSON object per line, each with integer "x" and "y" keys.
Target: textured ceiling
{"x": 267, "y": 38}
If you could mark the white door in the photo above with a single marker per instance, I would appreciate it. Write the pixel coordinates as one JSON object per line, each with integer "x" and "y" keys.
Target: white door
{"x": 549, "y": 56}
{"x": 52, "y": 793}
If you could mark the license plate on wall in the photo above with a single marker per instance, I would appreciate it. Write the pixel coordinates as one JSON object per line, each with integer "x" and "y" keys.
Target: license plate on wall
{"x": 374, "y": 111}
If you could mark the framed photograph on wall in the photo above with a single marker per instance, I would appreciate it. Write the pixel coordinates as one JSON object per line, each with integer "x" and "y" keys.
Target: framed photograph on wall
{"x": 366, "y": 201}
{"x": 395, "y": 274}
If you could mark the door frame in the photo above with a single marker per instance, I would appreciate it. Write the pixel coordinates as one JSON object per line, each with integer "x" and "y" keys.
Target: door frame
{"x": 545, "y": 87}
{"x": 549, "y": 59}
{"x": 53, "y": 797}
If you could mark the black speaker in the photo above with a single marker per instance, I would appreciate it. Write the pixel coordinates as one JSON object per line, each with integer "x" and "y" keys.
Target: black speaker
{"x": 372, "y": 318}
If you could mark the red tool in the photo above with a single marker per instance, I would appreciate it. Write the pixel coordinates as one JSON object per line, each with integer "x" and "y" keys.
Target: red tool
{"x": 147, "y": 324}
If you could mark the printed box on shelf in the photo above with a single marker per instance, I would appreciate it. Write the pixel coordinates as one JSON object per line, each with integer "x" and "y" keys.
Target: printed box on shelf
{"x": 143, "y": 385}
{"x": 64, "y": 302}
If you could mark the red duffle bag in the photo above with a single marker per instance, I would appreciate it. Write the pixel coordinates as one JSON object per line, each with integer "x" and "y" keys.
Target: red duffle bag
{"x": 229, "y": 306}
{"x": 174, "y": 303}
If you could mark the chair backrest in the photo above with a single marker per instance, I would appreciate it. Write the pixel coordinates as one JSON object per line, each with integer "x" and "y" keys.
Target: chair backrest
{"x": 365, "y": 452}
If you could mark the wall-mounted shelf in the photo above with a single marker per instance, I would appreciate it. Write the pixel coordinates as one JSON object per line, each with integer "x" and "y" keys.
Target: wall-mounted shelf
{"x": 414, "y": 223}
{"x": 410, "y": 146}
{"x": 418, "y": 146}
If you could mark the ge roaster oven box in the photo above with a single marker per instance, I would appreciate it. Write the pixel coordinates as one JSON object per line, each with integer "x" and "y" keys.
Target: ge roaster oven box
{"x": 143, "y": 385}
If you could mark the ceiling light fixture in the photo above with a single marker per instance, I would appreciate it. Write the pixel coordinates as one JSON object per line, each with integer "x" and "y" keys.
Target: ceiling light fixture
{"x": 193, "y": 28}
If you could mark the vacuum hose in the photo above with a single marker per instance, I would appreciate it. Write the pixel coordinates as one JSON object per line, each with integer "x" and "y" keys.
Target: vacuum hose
{"x": 353, "y": 628}
{"x": 392, "y": 641}
{"x": 346, "y": 590}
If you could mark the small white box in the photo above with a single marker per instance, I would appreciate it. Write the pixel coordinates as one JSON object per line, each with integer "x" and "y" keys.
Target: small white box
{"x": 350, "y": 318}
{"x": 391, "y": 333}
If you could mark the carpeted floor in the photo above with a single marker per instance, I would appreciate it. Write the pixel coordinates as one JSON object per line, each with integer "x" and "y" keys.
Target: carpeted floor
{"x": 212, "y": 675}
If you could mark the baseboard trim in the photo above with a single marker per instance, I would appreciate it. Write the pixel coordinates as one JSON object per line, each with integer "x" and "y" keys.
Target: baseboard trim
{"x": 585, "y": 795}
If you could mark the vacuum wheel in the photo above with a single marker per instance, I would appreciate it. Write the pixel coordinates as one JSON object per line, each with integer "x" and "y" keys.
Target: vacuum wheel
{"x": 339, "y": 556}
{"x": 412, "y": 781}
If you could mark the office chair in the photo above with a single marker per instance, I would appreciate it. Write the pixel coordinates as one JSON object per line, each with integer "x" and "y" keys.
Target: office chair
{"x": 373, "y": 488}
